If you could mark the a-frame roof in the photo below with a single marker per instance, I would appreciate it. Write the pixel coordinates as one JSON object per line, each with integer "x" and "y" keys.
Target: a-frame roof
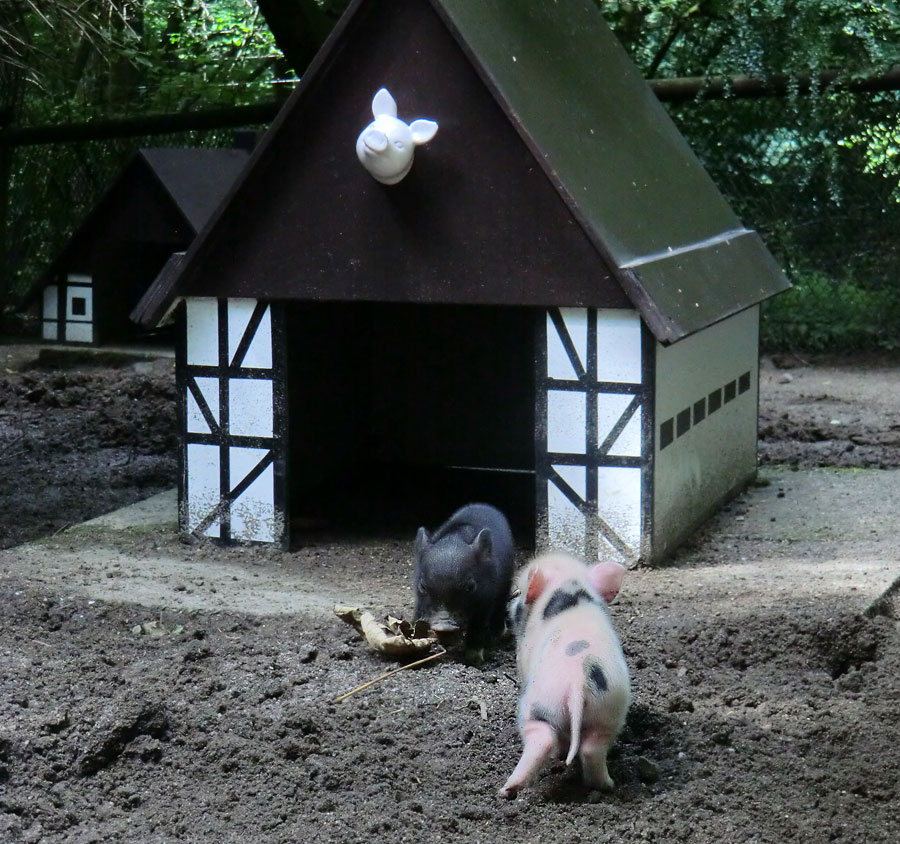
{"x": 196, "y": 179}
{"x": 160, "y": 193}
{"x": 650, "y": 221}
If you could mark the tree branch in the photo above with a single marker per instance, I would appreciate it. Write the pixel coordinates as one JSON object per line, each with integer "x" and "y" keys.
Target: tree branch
{"x": 776, "y": 85}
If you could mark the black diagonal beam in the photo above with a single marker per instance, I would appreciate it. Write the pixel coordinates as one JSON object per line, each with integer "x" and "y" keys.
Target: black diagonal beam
{"x": 560, "y": 325}
{"x": 249, "y": 333}
{"x": 617, "y": 429}
{"x": 223, "y": 508}
{"x": 591, "y": 516}
{"x": 205, "y": 409}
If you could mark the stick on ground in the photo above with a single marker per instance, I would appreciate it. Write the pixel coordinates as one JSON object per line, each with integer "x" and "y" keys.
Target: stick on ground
{"x": 388, "y": 674}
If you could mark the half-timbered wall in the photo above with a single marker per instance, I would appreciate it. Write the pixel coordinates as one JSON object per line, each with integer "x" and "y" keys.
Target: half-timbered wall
{"x": 707, "y": 388}
{"x": 68, "y": 312}
{"x": 594, "y": 440}
{"x": 231, "y": 389}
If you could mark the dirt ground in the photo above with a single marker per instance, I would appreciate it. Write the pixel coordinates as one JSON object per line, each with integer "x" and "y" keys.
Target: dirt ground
{"x": 157, "y": 691}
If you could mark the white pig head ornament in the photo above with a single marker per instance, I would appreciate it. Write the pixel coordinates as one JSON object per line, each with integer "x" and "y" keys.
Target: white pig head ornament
{"x": 385, "y": 147}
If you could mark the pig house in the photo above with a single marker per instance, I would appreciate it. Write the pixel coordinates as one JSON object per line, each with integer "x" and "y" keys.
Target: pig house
{"x": 472, "y": 259}
{"x": 153, "y": 209}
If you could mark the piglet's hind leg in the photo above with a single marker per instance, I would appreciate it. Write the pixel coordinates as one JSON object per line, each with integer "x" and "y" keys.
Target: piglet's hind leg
{"x": 592, "y": 753}
{"x": 540, "y": 743}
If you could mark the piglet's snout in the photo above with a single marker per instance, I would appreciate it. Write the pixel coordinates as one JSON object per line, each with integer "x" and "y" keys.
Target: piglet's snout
{"x": 444, "y": 625}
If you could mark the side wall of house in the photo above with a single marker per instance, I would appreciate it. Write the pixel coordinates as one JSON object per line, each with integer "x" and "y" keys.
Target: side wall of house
{"x": 707, "y": 389}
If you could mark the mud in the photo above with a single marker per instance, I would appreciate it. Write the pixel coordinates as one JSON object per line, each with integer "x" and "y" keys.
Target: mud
{"x": 78, "y": 442}
{"x": 766, "y": 706}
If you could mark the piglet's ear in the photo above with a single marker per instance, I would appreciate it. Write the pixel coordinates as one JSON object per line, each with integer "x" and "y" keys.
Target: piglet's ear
{"x": 537, "y": 583}
{"x": 606, "y": 578}
{"x": 483, "y": 545}
{"x": 422, "y": 541}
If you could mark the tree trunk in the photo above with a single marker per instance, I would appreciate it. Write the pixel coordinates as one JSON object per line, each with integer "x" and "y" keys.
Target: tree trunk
{"x": 127, "y": 23}
{"x": 300, "y": 27}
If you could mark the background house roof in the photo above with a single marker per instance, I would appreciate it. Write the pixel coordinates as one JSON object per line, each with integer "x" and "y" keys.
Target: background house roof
{"x": 654, "y": 221}
{"x": 187, "y": 183}
{"x": 196, "y": 179}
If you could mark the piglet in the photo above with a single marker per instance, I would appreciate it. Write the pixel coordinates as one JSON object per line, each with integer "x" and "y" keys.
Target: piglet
{"x": 575, "y": 685}
{"x": 463, "y": 574}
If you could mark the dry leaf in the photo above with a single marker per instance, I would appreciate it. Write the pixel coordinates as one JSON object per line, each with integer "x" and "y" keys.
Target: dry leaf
{"x": 397, "y": 638}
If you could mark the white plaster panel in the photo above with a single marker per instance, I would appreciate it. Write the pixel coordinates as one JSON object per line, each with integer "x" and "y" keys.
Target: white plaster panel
{"x": 576, "y": 324}
{"x": 252, "y": 512}
{"x": 558, "y": 363}
{"x": 202, "y": 331}
{"x": 51, "y": 302}
{"x": 202, "y": 485}
{"x": 50, "y": 330}
{"x": 209, "y": 389}
{"x": 610, "y": 407}
{"x": 565, "y": 523}
{"x": 259, "y": 353}
{"x": 79, "y": 278}
{"x": 76, "y": 292}
{"x": 250, "y": 407}
{"x": 628, "y": 443}
{"x": 618, "y": 346}
{"x": 619, "y": 502}
{"x": 79, "y": 332}
{"x": 575, "y": 477}
{"x": 566, "y": 415}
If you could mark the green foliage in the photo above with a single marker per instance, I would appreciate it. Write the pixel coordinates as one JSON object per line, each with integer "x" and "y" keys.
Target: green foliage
{"x": 197, "y": 52}
{"x": 81, "y": 61}
{"x": 821, "y": 314}
{"x": 708, "y": 37}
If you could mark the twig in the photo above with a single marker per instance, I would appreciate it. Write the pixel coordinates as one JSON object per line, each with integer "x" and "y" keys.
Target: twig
{"x": 389, "y": 674}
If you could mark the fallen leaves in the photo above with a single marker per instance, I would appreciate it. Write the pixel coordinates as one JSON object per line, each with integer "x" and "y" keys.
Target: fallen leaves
{"x": 156, "y": 630}
{"x": 395, "y": 637}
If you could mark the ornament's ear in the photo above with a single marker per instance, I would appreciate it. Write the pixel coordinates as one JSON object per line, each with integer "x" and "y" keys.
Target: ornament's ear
{"x": 383, "y": 103}
{"x": 423, "y": 131}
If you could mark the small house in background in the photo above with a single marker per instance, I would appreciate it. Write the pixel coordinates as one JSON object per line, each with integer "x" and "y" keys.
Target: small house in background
{"x": 550, "y": 306}
{"x": 154, "y": 208}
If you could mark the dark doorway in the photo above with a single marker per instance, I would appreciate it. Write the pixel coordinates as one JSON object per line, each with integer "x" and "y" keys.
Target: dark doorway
{"x": 400, "y": 413}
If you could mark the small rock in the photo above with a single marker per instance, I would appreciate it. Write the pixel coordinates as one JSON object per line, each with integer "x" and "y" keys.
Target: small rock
{"x": 273, "y": 690}
{"x": 647, "y": 770}
{"x": 308, "y": 654}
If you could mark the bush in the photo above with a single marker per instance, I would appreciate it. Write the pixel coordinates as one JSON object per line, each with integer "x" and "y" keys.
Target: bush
{"x": 820, "y": 313}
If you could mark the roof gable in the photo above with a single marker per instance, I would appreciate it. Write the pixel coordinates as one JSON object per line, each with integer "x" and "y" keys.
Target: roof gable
{"x": 196, "y": 179}
{"x": 560, "y": 108}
